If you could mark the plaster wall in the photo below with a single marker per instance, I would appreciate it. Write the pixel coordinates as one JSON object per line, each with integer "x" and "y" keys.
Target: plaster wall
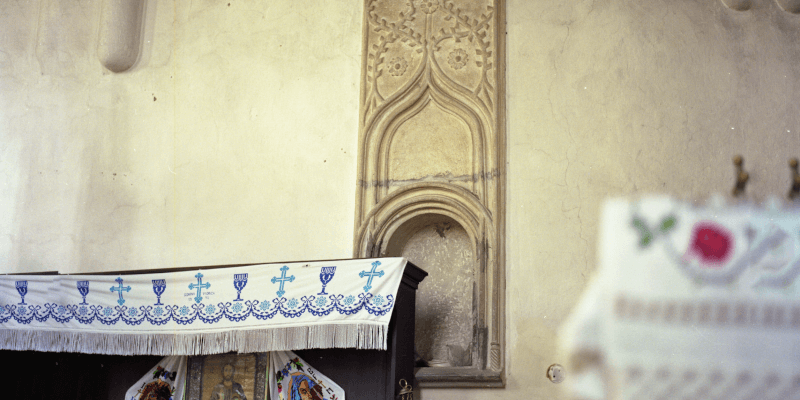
{"x": 233, "y": 138}
{"x": 623, "y": 98}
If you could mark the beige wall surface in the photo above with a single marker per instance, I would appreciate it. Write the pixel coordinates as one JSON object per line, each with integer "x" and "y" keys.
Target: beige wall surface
{"x": 623, "y": 98}
{"x": 231, "y": 141}
{"x": 233, "y": 138}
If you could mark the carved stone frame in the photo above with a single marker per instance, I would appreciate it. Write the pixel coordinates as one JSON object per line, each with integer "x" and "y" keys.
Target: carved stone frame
{"x": 384, "y": 206}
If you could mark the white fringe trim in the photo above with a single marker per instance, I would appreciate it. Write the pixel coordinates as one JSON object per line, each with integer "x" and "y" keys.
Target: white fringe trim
{"x": 359, "y": 336}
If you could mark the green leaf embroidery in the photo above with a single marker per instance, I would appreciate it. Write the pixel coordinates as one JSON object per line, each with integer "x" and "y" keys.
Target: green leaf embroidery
{"x": 668, "y": 223}
{"x": 646, "y": 239}
{"x": 645, "y": 235}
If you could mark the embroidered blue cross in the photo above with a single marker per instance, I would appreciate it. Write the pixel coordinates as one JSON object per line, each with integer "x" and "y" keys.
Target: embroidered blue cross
{"x": 282, "y": 280}
{"x": 198, "y": 286}
{"x": 371, "y": 275}
{"x": 120, "y": 289}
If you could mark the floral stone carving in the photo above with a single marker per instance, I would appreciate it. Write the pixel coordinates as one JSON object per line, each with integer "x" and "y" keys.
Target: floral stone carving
{"x": 430, "y": 28}
{"x": 432, "y": 147}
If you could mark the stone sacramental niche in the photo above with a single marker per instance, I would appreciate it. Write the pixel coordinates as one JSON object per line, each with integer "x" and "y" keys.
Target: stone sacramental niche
{"x": 431, "y": 177}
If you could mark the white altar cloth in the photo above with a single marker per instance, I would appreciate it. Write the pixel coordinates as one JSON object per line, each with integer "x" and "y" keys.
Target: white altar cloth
{"x": 257, "y": 308}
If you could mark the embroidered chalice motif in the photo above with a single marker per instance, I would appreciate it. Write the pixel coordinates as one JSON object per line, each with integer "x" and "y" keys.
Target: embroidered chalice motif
{"x": 159, "y": 285}
{"x": 239, "y": 282}
{"x": 83, "y": 289}
{"x": 22, "y": 289}
{"x": 325, "y": 276}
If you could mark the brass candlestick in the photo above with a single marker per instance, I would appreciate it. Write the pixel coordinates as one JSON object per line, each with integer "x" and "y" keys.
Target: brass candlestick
{"x": 741, "y": 176}
{"x": 407, "y": 392}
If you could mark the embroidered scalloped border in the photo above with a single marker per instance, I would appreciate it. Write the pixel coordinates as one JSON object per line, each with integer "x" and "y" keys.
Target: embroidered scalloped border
{"x": 377, "y": 305}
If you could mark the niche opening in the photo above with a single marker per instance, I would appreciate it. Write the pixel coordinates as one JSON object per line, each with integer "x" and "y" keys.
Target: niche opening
{"x": 446, "y": 301}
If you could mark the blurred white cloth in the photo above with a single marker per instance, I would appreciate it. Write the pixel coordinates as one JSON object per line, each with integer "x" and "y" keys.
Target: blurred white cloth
{"x": 689, "y": 303}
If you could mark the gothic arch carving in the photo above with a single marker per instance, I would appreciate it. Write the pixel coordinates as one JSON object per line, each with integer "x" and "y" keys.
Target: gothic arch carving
{"x": 432, "y": 145}
{"x": 420, "y": 199}
{"x": 476, "y": 128}
{"x": 377, "y": 135}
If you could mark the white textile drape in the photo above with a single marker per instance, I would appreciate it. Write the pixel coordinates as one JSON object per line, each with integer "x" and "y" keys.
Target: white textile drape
{"x": 330, "y": 304}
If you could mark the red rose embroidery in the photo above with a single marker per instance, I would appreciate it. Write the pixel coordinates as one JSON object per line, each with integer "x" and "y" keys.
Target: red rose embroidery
{"x": 712, "y": 243}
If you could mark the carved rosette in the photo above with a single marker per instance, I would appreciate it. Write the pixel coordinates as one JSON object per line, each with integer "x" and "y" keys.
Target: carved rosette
{"x": 431, "y": 142}
{"x": 429, "y": 39}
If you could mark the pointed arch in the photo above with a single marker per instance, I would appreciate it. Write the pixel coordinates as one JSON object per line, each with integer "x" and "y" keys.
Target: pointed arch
{"x": 378, "y": 135}
{"x": 420, "y": 199}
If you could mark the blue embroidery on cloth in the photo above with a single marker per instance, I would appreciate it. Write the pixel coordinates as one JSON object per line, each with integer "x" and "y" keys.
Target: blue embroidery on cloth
{"x": 371, "y": 275}
{"x": 377, "y": 305}
{"x": 159, "y": 286}
{"x": 238, "y": 310}
{"x": 22, "y": 289}
{"x": 282, "y": 280}
{"x": 200, "y": 285}
{"x": 83, "y": 289}
{"x": 120, "y": 289}
{"x": 239, "y": 282}
{"x": 325, "y": 276}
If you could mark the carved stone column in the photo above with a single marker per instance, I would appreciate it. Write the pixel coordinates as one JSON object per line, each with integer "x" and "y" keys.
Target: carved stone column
{"x": 432, "y": 146}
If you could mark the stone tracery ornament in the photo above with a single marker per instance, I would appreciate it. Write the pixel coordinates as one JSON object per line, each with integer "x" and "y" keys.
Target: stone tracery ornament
{"x": 432, "y": 144}
{"x": 428, "y": 6}
{"x": 457, "y": 59}
{"x": 397, "y": 66}
{"x": 426, "y": 27}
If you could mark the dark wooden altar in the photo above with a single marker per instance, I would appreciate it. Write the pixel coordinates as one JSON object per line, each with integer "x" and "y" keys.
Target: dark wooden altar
{"x": 363, "y": 374}
{"x": 374, "y": 374}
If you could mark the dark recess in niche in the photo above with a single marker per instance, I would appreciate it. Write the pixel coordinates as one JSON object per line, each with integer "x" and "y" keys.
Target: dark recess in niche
{"x": 446, "y": 314}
